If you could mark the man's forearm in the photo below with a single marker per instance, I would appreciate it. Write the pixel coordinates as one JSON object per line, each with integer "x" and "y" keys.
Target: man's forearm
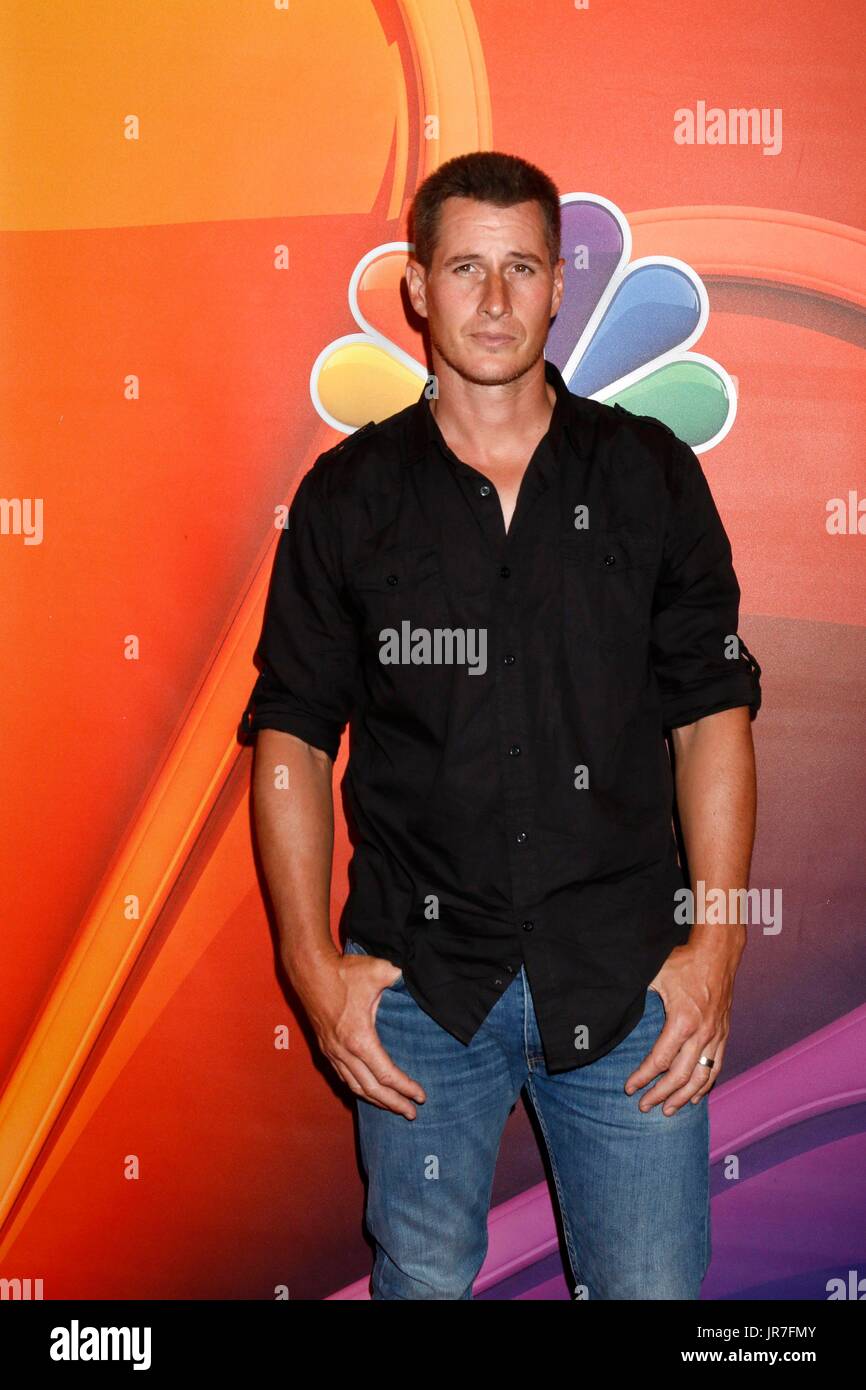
{"x": 717, "y": 797}
{"x": 293, "y": 810}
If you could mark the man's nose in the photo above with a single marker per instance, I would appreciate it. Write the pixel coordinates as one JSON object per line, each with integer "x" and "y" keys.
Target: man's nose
{"x": 494, "y": 296}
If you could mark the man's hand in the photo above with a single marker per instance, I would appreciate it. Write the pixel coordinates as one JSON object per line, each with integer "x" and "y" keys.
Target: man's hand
{"x": 714, "y": 763}
{"x": 339, "y": 993}
{"x": 341, "y": 997}
{"x": 697, "y": 990}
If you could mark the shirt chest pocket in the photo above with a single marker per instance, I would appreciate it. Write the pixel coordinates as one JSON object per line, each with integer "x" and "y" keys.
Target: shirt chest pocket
{"x": 400, "y": 584}
{"x": 608, "y": 581}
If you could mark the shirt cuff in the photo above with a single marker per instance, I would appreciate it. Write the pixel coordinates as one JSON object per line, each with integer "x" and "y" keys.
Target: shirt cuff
{"x": 731, "y": 692}
{"x": 317, "y": 732}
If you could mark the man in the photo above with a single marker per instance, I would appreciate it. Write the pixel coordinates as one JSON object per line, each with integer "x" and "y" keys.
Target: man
{"x": 513, "y": 595}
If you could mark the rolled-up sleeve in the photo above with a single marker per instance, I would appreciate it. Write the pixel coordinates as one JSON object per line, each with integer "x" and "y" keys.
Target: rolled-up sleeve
{"x": 308, "y": 648}
{"x": 701, "y": 663}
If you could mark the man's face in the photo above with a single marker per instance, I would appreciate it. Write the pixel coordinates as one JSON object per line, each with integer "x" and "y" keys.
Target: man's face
{"x": 490, "y": 292}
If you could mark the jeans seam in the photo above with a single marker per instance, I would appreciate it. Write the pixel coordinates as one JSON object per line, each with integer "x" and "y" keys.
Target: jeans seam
{"x": 569, "y": 1243}
{"x": 529, "y": 1058}
{"x": 563, "y": 1210}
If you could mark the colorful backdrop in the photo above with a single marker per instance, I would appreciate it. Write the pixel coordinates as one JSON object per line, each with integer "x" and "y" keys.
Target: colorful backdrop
{"x": 203, "y": 208}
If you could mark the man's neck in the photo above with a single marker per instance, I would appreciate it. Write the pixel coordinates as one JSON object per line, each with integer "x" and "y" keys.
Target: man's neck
{"x": 487, "y": 427}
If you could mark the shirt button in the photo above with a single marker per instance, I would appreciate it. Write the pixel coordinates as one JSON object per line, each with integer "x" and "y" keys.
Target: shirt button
{"x": 514, "y": 750}
{"x": 610, "y": 559}
{"x": 528, "y": 926}
{"x": 391, "y": 579}
{"x": 484, "y": 489}
{"x": 508, "y": 659}
{"x": 521, "y": 837}
{"x": 497, "y": 982}
{"x": 510, "y": 969}
{"x": 505, "y": 571}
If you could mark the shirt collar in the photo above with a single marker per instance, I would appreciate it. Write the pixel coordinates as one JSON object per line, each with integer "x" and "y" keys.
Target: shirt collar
{"x": 571, "y": 419}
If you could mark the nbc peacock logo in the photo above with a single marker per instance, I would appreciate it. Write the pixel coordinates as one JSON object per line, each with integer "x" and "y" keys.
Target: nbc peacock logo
{"x": 624, "y": 334}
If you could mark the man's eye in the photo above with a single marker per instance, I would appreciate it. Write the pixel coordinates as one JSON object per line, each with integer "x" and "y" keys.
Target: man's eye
{"x": 519, "y": 265}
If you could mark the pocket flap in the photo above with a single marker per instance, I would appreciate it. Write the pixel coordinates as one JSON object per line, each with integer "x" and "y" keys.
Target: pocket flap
{"x": 612, "y": 550}
{"x": 396, "y": 568}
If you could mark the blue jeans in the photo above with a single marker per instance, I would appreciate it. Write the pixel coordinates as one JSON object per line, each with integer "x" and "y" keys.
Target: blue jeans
{"x": 633, "y": 1188}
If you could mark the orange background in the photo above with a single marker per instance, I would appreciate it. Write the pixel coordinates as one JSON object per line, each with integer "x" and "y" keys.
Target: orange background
{"x": 150, "y": 1031}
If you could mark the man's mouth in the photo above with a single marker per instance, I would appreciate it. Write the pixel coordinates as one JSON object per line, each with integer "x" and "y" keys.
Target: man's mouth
{"x": 493, "y": 339}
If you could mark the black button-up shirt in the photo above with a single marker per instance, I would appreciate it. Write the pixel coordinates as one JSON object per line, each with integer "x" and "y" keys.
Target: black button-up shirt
{"x": 509, "y": 788}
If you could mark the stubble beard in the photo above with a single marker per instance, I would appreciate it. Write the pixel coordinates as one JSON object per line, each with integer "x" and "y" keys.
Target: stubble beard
{"x": 507, "y": 374}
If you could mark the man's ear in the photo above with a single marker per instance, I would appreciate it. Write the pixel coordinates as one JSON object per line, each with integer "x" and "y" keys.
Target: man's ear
{"x": 416, "y": 281}
{"x": 558, "y": 287}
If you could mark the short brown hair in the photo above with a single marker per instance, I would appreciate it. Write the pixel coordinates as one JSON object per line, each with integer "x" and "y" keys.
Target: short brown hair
{"x": 489, "y": 177}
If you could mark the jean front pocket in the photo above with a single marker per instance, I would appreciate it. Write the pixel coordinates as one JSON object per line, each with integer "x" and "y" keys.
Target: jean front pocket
{"x": 354, "y": 948}
{"x": 654, "y": 1000}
